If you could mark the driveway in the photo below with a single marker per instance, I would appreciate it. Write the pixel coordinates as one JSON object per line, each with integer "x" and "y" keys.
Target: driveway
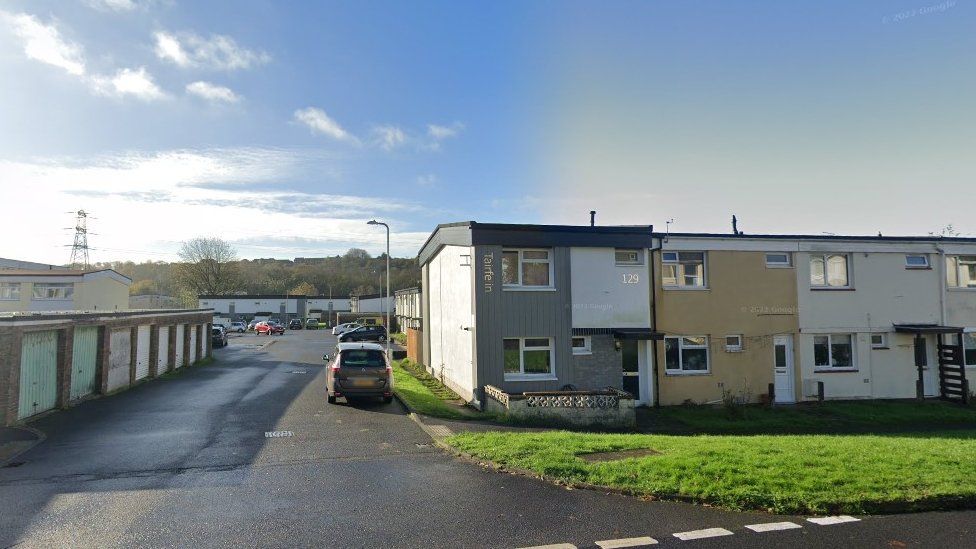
{"x": 187, "y": 461}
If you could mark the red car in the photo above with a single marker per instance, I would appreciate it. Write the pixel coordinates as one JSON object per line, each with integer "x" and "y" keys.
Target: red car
{"x": 268, "y": 328}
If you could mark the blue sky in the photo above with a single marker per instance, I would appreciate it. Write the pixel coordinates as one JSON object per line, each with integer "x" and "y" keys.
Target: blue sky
{"x": 283, "y": 127}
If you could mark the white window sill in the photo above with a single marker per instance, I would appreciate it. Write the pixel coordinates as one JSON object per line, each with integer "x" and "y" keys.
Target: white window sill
{"x": 530, "y": 377}
{"x": 768, "y": 266}
{"x": 827, "y": 370}
{"x": 960, "y": 289}
{"x": 686, "y": 288}
{"x": 582, "y": 353}
{"x": 688, "y": 373}
{"x": 831, "y": 288}
{"x": 528, "y": 289}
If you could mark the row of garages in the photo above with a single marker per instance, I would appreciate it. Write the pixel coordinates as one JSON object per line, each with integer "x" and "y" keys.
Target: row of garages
{"x": 51, "y": 361}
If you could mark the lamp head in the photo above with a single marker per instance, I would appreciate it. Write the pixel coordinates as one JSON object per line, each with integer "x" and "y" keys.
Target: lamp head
{"x": 372, "y": 222}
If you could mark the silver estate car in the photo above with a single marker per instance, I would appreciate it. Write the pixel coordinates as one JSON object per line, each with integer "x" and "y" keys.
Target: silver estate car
{"x": 359, "y": 369}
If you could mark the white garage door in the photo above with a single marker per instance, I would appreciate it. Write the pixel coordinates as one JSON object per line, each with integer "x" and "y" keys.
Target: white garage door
{"x": 162, "y": 360}
{"x": 193, "y": 344}
{"x": 142, "y": 353}
{"x": 179, "y": 346}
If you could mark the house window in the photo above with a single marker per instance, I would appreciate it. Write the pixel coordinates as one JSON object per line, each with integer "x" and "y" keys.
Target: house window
{"x": 628, "y": 257}
{"x": 916, "y": 261}
{"x": 686, "y": 355}
{"x": 879, "y": 341}
{"x": 733, "y": 343}
{"x": 528, "y": 358}
{"x": 834, "y": 351}
{"x": 829, "y": 271}
{"x": 526, "y": 268}
{"x": 778, "y": 259}
{"x": 10, "y": 291}
{"x": 582, "y": 345}
{"x": 961, "y": 271}
{"x": 64, "y": 290}
{"x": 683, "y": 269}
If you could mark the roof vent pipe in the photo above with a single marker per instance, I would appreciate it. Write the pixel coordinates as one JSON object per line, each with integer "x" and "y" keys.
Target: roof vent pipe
{"x": 592, "y": 218}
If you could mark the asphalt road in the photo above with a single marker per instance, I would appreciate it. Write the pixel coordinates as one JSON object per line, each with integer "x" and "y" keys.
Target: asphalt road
{"x": 184, "y": 461}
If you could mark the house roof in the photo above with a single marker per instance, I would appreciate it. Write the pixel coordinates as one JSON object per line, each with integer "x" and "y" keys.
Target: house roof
{"x": 826, "y": 237}
{"x": 61, "y": 274}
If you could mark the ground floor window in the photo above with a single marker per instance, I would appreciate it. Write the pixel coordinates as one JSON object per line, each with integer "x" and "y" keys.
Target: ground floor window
{"x": 582, "y": 345}
{"x": 969, "y": 348}
{"x": 834, "y": 351}
{"x": 686, "y": 355}
{"x": 528, "y": 357}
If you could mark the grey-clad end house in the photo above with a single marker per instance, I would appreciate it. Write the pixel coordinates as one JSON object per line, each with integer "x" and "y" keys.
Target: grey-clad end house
{"x": 538, "y": 308}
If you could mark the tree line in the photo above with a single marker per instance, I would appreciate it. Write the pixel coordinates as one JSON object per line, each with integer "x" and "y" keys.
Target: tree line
{"x": 211, "y": 266}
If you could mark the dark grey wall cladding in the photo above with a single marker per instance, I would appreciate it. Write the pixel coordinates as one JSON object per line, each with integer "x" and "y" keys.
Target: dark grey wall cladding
{"x": 603, "y": 368}
{"x": 501, "y": 314}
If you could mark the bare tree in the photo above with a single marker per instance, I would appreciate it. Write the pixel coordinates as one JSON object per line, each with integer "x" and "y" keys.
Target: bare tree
{"x": 208, "y": 266}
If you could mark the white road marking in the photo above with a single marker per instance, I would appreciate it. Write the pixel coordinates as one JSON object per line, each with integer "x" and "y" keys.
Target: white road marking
{"x": 626, "y": 542}
{"x": 278, "y": 434}
{"x": 702, "y": 534}
{"x": 553, "y": 546}
{"x": 827, "y": 521}
{"x": 773, "y": 526}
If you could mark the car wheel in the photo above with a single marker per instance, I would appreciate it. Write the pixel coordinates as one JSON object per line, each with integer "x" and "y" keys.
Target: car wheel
{"x": 331, "y": 399}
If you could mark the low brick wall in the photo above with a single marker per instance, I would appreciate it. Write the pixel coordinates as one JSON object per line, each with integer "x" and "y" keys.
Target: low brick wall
{"x": 609, "y": 408}
{"x": 116, "y": 355}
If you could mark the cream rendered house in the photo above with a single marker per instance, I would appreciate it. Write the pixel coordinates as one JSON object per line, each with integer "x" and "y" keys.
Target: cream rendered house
{"x": 63, "y": 290}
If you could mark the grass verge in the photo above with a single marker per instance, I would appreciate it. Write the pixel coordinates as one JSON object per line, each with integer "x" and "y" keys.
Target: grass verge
{"x": 827, "y": 417}
{"x": 803, "y": 474}
{"x": 426, "y": 395}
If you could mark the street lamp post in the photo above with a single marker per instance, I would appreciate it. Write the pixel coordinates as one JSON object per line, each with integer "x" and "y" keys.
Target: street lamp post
{"x": 375, "y": 222}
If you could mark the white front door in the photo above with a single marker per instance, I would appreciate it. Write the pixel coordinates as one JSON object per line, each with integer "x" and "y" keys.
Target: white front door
{"x": 783, "y": 368}
{"x": 930, "y": 373}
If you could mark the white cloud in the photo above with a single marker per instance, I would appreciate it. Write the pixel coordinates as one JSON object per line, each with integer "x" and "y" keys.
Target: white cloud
{"x": 439, "y": 132}
{"x": 44, "y": 43}
{"x": 135, "y": 82}
{"x": 151, "y": 201}
{"x": 319, "y": 122}
{"x": 212, "y": 92}
{"x": 426, "y": 181}
{"x": 389, "y": 137}
{"x": 216, "y": 52}
{"x": 112, "y": 5}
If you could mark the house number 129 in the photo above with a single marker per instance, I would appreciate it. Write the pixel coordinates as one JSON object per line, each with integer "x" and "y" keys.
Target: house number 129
{"x": 631, "y": 278}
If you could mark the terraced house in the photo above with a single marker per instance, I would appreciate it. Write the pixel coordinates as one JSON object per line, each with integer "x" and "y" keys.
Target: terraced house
{"x": 697, "y": 317}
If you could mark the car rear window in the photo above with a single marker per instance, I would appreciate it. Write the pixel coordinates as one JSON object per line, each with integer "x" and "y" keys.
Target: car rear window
{"x": 363, "y": 359}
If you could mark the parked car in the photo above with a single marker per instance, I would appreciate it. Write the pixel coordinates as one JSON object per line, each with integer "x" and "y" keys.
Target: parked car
{"x": 365, "y": 333}
{"x": 311, "y": 324}
{"x": 358, "y": 370}
{"x": 268, "y": 328}
{"x": 343, "y": 328}
{"x": 253, "y": 324}
{"x": 238, "y": 327}
{"x": 218, "y": 336}
{"x": 295, "y": 324}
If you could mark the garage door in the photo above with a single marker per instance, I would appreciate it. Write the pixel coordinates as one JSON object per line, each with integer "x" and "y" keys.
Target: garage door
{"x": 142, "y": 352}
{"x": 84, "y": 353}
{"x": 38, "y": 373}
{"x": 119, "y": 357}
{"x": 162, "y": 360}
{"x": 179, "y": 346}
{"x": 193, "y": 344}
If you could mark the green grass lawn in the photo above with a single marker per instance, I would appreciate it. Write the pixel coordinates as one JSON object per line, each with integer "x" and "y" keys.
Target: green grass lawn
{"x": 827, "y": 417}
{"x": 805, "y": 474}
{"x": 425, "y": 394}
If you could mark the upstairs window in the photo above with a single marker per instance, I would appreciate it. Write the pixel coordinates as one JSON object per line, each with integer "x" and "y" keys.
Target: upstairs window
{"x": 527, "y": 268}
{"x": 64, "y": 290}
{"x": 778, "y": 259}
{"x": 916, "y": 261}
{"x": 683, "y": 269}
{"x": 10, "y": 291}
{"x": 628, "y": 257}
{"x": 961, "y": 271}
{"x": 829, "y": 271}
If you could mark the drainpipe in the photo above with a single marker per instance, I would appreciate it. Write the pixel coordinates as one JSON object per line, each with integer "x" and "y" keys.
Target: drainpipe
{"x": 942, "y": 282}
{"x": 653, "y": 286}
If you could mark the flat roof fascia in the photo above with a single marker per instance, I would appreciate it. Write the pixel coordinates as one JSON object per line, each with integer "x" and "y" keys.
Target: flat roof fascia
{"x": 448, "y": 234}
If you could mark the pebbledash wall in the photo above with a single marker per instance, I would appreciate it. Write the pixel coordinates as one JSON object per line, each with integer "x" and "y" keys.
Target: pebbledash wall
{"x": 53, "y": 360}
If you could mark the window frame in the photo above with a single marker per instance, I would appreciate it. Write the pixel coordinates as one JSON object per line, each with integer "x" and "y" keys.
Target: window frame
{"x": 521, "y": 375}
{"x": 953, "y": 273}
{"x": 68, "y": 295}
{"x": 15, "y": 293}
{"x": 820, "y": 368}
{"x": 586, "y": 349}
{"x": 884, "y": 340}
{"x": 678, "y": 285}
{"x": 927, "y": 265}
{"x": 639, "y": 262}
{"x": 735, "y": 348}
{"x": 521, "y": 260}
{"x": 681, "y": 361}
{"x": 825, "y": 256}
{"x": 777, "y": 265}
